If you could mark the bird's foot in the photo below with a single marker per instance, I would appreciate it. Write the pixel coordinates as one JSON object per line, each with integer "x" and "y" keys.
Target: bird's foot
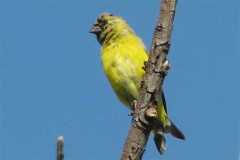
{"x": 134, "y": 105}
{"x": 130, "y": 114}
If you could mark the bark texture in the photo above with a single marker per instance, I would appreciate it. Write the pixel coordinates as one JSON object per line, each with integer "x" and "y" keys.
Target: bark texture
{"x": 156, "y": 69}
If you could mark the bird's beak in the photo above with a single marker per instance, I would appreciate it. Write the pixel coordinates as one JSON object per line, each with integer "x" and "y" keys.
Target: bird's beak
{"x": 95, "y": 30}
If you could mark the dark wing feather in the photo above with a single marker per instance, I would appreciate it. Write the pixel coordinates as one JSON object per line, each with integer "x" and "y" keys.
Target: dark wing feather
{"x": 164, "y": 102}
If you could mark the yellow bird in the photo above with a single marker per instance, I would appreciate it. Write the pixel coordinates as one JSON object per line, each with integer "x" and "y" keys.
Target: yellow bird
{"x": 123, "y": 56}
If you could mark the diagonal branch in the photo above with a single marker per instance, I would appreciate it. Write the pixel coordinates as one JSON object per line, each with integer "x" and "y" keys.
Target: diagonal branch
{"x": 151, "y": 88}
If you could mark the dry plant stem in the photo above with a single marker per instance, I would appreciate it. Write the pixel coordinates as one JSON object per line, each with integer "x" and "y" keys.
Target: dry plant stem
{"x": 60, "y": 153}
{"x": 151, "y": 88}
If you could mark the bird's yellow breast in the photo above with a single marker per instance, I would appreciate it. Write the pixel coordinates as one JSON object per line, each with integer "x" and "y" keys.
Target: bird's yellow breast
{"x": 122, "y": 61}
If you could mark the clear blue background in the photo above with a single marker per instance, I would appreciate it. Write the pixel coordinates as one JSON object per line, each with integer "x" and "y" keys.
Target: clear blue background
{"x": 52, "y": 81}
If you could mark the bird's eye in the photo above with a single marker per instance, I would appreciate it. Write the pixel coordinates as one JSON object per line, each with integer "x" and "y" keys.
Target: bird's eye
{"x": 104, "y": 21}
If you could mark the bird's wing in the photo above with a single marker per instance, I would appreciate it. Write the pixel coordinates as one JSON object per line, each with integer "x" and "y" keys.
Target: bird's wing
{"x": 164, "y": 102}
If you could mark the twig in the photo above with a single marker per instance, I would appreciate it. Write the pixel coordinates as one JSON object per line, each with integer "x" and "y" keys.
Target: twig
{"x": 60, "y": 153}
{"x": 151, "y": 88}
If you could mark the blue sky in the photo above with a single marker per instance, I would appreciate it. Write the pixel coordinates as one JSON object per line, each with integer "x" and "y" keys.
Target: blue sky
{"x": 52, "y": 82}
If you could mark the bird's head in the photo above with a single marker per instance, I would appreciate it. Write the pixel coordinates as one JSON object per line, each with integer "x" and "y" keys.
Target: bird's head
{"x": 107, "y": 25}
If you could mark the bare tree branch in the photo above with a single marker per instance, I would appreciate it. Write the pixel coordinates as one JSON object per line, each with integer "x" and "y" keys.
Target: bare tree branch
{"x": 151, "y": 88}
{"x": 60, "y": 153}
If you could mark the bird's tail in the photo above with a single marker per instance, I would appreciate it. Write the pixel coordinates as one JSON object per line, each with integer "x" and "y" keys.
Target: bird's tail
{"x": 160, "y": 141}
{"x": 172, "y": 129}
{"x": 169, "y": 128}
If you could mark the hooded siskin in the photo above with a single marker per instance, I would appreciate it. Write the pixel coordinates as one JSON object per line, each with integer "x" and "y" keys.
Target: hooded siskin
{"x": 123, "y": 56}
